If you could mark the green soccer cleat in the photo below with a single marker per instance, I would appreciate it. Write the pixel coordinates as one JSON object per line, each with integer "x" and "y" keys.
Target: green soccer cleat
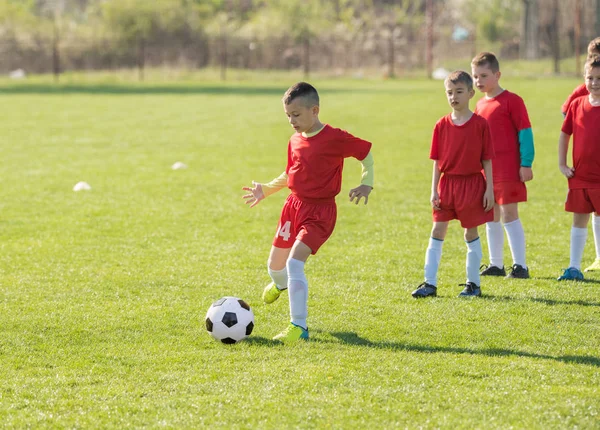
{"x": 292, "y": 333}
{"x": 571, "y": 274}
{"x": 595, "y": 267}
{"x": 271, "y": 293}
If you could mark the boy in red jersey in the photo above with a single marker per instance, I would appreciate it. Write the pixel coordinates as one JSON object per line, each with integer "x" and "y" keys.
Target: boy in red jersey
{"x": 513, "y": 145}
{"x": 581, "y": 90}
{"x": 460, "y": 147}
{"x": 583, "y": 122}
{"x": 313, "y": 174}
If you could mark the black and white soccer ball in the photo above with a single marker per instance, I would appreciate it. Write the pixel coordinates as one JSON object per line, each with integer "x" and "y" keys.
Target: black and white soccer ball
{"x": 229, "y": 320}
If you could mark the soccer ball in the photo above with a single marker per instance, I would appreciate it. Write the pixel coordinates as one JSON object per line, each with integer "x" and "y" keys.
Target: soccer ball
{"x": 229, "y": 320}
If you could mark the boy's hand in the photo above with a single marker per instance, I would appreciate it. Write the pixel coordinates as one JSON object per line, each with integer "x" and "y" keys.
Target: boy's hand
{"x": 435, "y": 201}
{"x": 488, "y": 199}
{"x": 256, "y": 194}
{"x": 567, "y": 171}
{"x": 526, "y": 174}
{"x": 360, "y": 191}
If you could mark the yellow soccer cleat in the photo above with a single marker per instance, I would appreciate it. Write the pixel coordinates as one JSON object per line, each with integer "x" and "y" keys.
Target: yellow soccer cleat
{"x": 271, "y": 293}
{"x": 292, "y": 333}
{"x": 595, "y": 267}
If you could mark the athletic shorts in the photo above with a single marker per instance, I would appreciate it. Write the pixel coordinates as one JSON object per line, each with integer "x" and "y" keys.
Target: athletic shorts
{"x": 510, "y": 192}
{"x": 583, "y": 200}
{"x": 461, "y": 198}
{"x": 310, "y": 223}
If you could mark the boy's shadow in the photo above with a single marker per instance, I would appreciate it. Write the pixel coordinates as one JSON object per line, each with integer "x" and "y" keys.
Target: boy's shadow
{"x": 549, "y": 302}
{"x": 351, "y": 338}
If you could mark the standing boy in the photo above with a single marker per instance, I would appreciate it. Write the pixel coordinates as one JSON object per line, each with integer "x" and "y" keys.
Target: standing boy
{"x": 513, "y": 145}
{"x": 460, "y": 147}
{"x": 583, "y": 122}
{"x": 315, "y": 161}
{"x": 581, "y": 90}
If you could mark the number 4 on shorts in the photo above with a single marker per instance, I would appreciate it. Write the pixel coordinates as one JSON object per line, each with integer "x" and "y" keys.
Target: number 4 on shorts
{"x": 284, "y": 231}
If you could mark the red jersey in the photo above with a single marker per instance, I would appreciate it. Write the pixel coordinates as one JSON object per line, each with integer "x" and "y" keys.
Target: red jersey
{"x": 583, "y": 122}
{"x": 581, "y": 90}
{"x": 459, "y": 149}
{"x": 507, "y": 115}
{"x": 315, "y": 163}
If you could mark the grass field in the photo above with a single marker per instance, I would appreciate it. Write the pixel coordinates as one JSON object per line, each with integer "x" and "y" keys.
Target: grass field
{"x": 103, "y": 293}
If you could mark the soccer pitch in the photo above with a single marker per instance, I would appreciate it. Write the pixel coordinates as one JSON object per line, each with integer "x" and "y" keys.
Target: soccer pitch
{"x": 103, "y": 292}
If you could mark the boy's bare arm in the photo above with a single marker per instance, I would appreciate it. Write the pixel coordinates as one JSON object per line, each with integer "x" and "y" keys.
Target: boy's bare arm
{"x": 435, "y": 181}
{"x": 488, "y": 196}
{"x": 563, "y": 148}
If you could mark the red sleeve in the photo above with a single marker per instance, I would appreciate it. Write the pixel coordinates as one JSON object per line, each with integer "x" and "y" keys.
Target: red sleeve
{"x": 518, "y": 114}
{"x": 567, "y": 126}
{"x": 435, "y": 143}
{"x": 581, "y": 90}
{"x": 353, "y": 146}
{"x": 289, "y": 159}
{"x": 488, "y": 147}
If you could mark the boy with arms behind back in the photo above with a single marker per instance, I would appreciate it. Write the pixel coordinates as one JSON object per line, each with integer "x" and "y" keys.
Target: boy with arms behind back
{"x": 583, "y": 122}
{"x": 513, "y": 145}
{"x": 460, "y": 147}
{"x": 313, "y": 174}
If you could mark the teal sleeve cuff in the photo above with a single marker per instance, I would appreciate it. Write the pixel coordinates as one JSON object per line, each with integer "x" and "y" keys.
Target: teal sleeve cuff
{"x": 526, "y": 147}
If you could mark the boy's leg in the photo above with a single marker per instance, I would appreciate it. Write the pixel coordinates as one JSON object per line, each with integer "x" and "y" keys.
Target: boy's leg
{"x": 495, "y": 239}
{"x": 276, "y": 266}
{"x": 433, "y": 256}
{"x": 516, "y": 240}
{"x": 474, "y": 256}
{"x": 578, "y": 239}
{"x": 596, "y": 229}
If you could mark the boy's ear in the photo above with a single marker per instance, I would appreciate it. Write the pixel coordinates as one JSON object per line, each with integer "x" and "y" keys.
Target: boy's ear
{"x": 471, "y": 93}
{"x": 315, "y": 110}
{"x": 498, "y": 74}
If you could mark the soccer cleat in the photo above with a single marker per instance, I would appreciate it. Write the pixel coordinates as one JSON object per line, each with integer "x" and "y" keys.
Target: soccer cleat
{"x": 292, "y": 333}
{"x": 425, "y": 290}
{"x": 571, "y": 274}
{"x": 595, "y": 267}
{"x": 518, "y": 272}
{"x": 271, "y": 293}
{"x": 471, "y": 290}
{"x": 492, "y": 270}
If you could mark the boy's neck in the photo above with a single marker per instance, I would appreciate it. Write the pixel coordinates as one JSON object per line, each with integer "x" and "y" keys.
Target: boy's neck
{"x": 594, "y": 101}
{"x": 494, "y": 92}
{"x": 460, "y": 117}
{"x": 314, "y": 130}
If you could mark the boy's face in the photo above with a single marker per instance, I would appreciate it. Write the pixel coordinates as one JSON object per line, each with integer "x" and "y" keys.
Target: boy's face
{"x": 301, "y": 116}
{"x": 485, "y": 80}
{"x": 458, "y": 95}
{"x": 592, "y": 81}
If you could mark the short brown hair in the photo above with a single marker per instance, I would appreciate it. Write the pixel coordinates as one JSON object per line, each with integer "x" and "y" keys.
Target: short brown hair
{"x": 486, "y": 59}
{"x": 304, "y": 90}
{"x": 594, "y": 47}
{"x": 459, "y": 76}
{"x": 592, "y": 62}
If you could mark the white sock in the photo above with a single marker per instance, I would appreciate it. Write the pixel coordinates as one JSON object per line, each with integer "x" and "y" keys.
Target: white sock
{"x": 298, "y": 292}
{"x": 516, "y": 241}
{"x": 596, "y": 230}
{"x": 280, "y": 277}
{"x": 578, "y": 237}
{"x": 433, "y": 255}
{"x": 495, "y": 239}
{"x": 474, "y": 255}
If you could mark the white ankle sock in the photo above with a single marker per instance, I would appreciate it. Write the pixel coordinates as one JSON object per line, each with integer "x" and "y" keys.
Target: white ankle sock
{"x": 495, "y": 239}
{"x": 280, "y": 277}
{"x": 474, "y": 255}
{"x": 578, "y": 237}
{"x": 298, "y": 292}
{"x": 516, "y": 241}
{"x": 596, "y": 230}
{"x": 433, "y": 255}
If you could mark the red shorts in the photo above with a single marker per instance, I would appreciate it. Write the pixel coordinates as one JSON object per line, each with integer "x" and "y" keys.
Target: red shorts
{"x": 310, "y": 223}
{"x": 510, "y": 192}
{"x": 583, "y": 200}
{"x": 461, "y": 198}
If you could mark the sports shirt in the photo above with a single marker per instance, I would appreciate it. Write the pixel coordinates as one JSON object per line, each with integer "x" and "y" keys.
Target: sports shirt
{"x": 581, "y": 90}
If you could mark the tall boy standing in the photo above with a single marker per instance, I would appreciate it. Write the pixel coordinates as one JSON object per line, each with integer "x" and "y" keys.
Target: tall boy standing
{"x": 513, "y": 145}
{"x": 583, "y": 122}
{"x": 461, "y": 146}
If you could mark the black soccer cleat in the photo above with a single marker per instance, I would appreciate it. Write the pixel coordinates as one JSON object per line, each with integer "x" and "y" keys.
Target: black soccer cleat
{"x": 492, "y": 270}
{"x": 425, "y": 290}
{"x": 471, "y": 290}
{"x": 518, "y": 272}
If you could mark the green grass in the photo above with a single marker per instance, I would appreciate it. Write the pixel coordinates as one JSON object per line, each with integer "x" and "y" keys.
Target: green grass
{"x": 103, "y": 293}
